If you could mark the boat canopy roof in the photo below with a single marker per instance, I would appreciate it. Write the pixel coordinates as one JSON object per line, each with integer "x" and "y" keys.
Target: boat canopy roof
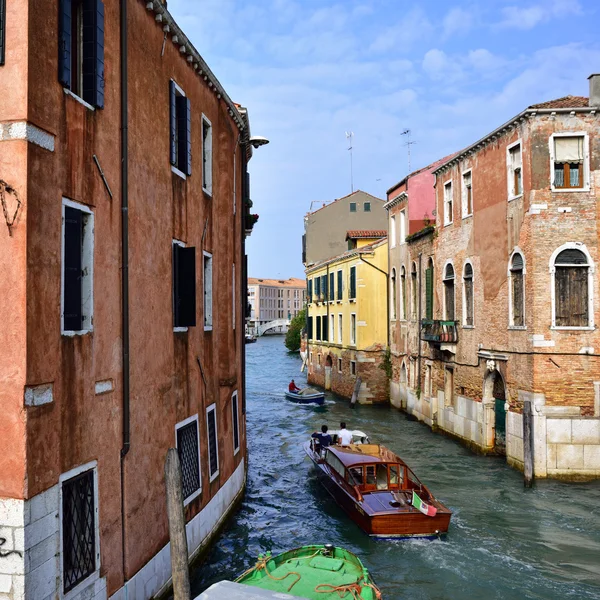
{"x": 359, "y": 454}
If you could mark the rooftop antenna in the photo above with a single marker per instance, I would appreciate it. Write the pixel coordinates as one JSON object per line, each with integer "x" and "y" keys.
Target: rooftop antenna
{"x": 408, "y": 144}
{"x": 349, "y": 136}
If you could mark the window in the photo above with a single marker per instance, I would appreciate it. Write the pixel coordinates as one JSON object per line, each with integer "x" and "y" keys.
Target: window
{"x": 318, "y": 328}
{"x": 415, "y": 290}
{"x": 393, "y": 295}
{"x": 2, "y": 30}
{"x": 208, "y": 281}
{"x": 340, "y": 330}
{"x": 367, "y": 207}
{"x": 331, "y": 287}
{"x": 77, "y": 268}
{"x": 324, "y": 287}
{"x": 403, "y": 293}
{"x": 340, "y": 279}
{"x": 468, "y": 295}
{"x": 352, "y": 367}
{"x": 517, "y": 291}
{"x": 352, "y": 294}
{"x": 449, "y": 293}
{"x": 402, "y": 226}
{"x": 187, "y": 442}
{"x": 353, "y": 329}
{"x": 449, "y": 386}
{"x": 339, "y": 365}
{"x": 181, "y": 131}
{"x": 569, "y": 158}
{"x": 325, "y": 328}
{"x": 429, "y": 290}
{"x": 236, "y": 422}
{"x": 572, "y": 288}
{"x": 79, "y": 526}
{"x": 448, "y": 214}
{"x": 319, "y": 359}
{"x": 467, "y": 195}
{"x": 213, "y": 449}
{"x": 317, "y": 289}
{"x": 81, "y": 49}
{"x": 352, "y": 206}
{"x": 515, "y": 170}
{"x": 428, "y": 381}
{"x": 392, "y": 231}
{"x": 207, "y": 150}
{"x": 403, "y": 377}
{"x": 332, "y": 328}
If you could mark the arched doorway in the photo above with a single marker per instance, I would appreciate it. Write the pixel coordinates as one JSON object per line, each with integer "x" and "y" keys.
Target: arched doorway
{"x": 328, "y": 365}
{"x": 494, "y": 400}
{"x": 500, "y": 415}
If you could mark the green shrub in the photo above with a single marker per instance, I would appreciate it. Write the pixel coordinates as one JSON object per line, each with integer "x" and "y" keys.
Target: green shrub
{"x": 292, "y": 337}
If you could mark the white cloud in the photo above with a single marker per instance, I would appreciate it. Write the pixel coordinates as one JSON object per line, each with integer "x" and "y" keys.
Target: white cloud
{"x": 458, "y": 21}
{"x": 414, "y": 26}
{"x": 527, "y": 17}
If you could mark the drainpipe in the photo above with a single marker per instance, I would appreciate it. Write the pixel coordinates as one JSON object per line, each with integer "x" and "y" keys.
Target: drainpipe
{"x": 124, "y": 272}
{"x": 419, "y": 323}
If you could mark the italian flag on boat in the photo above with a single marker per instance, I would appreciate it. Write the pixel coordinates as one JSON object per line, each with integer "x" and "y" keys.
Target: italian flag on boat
{"x": 426, "y": 509}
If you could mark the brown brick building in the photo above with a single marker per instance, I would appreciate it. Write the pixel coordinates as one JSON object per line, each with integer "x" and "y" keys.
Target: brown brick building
{"x": 514, "y": 300}
{"x": 123, "y": 174}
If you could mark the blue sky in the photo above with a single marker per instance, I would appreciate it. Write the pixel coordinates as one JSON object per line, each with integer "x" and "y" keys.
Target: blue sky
{"x": 310, "y": 70}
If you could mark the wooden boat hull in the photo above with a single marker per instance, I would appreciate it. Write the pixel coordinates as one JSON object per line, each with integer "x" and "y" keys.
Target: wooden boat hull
{"x": 306, "y": 399}
{"x": 402, "y": 522}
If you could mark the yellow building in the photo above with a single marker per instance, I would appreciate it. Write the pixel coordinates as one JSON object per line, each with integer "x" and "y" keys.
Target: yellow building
{"x": 347, "y": 326}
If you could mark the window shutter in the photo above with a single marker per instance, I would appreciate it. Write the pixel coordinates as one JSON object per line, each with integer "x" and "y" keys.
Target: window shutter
{"x": 2, "y": 30}
{"x": 93, "y": 52}
{"x": 188, "y": 136}
{"x": 73, "y": 317}
{"x": 331, "y": 286}
{"x": 182, "y": 109}
{"x": 517, "y": 281}
{"x": 173, "y": 122}
{"x": 64, "y": 43}
{"x": 208, "y": 304}
{"x": 186, "y": 275}
{"x": 352, "y": 282}
{"x": 429, "y": 293}
{"x": 325, "y": 328}
{"x": 339, "y": 285}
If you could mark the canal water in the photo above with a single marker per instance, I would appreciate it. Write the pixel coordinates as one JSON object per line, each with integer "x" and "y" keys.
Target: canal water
{"x": 504, "y": 542}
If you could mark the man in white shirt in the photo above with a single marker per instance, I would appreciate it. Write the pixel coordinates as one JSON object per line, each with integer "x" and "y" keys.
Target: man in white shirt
{"x": 344, "y": 436}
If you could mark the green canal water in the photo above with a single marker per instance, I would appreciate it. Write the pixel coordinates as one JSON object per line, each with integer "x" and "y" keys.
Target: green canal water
{"x": 504, "y": 542}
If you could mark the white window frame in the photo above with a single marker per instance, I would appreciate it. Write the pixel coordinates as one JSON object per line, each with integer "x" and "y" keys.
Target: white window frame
{"x": 331, "y": 332}
{"x": 586, "y": 163}
{"x": 92, "y": 577}
{"x": 464, "y": 295}
{"x": 464, "y": 203}
{"x": 511, "y": 324}
{"x": 234, "y": 398}
{"x": 212, "y": 408}
{"x": 510, "y": 179}
{"x": 353, "y": 329}
{"x": 207, "y": 153}
{"x": 179, "y": 425}
{"x": 448, "y": 199}
{"x": 177, "y": 329}
{"x": 209, "y": 326}
{"x": 87, "y": 253}
{"x": 340, "y": 328}
{"x": 174, "y": 169}
{"x": 353, "y": 368}
{"x": 392, "y": 231}
{"x": 403, "y": 226}
{"x": 591, "y": 269}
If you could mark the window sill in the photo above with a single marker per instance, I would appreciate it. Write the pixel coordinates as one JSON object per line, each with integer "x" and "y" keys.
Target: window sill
{"x": 207, "y": 191}
{"x": 557, "y": 328}
{"x": 556, "y": 190}
{"x": 468, "y": 326}
{"x": 467, "y": 216}
{"x": 448, "y": 224}
{"x": 74, "y": 333}
{"x": 352, "y": 300}
{"x": 213, "y": 477}
{"x": 208, "y": 328}
{"x": 89, "y": 581}
{"x": 236, "y": 450}
{"x": 192, "y": 496}
{"x": 180, "y": 329}
{"x": 511, "y": 198}
{"x": 178, "y": 172}
{"x": 68, "y": 92}
{"x": 517, "y": 328}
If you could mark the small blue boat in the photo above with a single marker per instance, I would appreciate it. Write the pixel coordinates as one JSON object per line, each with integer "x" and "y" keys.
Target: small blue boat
{"x": 306, "y": 396}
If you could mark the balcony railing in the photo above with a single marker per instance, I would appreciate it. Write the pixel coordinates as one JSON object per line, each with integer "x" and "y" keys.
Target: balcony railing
{"x": 439, "y": 332}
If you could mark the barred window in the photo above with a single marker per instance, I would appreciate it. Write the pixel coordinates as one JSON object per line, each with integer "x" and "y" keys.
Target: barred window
{"x": 449, "y": 293}
{"x": 236, "y": 422}
{"x": 571, "y": 288}
{"x": 213, "y": 448}
{"x": 189, "y": 456}
{"x": 517, "y": 291}
{"x": 468, "y": 294}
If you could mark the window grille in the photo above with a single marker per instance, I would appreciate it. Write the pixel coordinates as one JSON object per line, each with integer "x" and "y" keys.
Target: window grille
{"x": 187, "y": 448}
{"x": 236, "y": 422}
{"x": 78, "y": 529}
{"x": 213, "y": 456}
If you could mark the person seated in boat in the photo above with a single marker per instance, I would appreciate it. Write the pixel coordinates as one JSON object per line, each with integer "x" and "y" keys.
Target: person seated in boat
{"x": 344, "y": 437}
{"x": 294, "y": 389}
{"x": 322, "y": 438}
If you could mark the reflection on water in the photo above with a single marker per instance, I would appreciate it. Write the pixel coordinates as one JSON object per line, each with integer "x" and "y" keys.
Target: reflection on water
{"x": 504, "y": 541}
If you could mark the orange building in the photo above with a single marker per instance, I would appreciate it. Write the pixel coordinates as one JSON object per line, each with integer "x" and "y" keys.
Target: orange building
{"x": 122, "y": 294}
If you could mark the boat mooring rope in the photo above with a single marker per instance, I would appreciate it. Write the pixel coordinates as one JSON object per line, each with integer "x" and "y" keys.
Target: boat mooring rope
{"x": 262, "y": 564}
{"x": 354, "y": 588}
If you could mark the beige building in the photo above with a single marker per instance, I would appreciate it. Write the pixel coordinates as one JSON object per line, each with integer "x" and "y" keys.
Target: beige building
{"x": 325, "y": 229}
{"x": 274, "y": 300}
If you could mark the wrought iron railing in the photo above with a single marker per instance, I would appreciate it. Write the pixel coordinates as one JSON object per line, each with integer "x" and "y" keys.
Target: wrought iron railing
{"x": 440, "y": 332}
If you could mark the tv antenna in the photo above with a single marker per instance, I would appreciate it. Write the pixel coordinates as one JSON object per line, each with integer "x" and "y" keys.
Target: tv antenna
{"x": 349, "y": 136}
{"x": 408, "y": 144}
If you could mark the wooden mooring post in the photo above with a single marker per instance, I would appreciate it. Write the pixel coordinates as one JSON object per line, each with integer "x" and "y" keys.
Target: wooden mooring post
{"x": 527, "y": 444}
{"x": 354, "y": 398}
{"x": 177, "y": 535}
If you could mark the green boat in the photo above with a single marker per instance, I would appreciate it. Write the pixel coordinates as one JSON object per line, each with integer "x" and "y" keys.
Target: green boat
{"x": 314, "y": 572}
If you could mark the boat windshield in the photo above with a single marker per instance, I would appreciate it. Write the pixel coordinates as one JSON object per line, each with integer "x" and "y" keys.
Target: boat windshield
{"x": 381, "y": 476}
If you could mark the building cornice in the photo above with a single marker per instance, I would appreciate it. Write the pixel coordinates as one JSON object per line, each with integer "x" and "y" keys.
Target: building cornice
{"x": 396, "y": 200}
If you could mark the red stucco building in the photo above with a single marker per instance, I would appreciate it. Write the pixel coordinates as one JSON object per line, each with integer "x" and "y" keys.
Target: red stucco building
{"x": 123, "y": 172}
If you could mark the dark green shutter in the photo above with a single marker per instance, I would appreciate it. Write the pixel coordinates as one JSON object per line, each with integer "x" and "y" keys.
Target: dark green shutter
{"x": 317, "y": 287}
{"x": 73, "y": 316}
{"x": 429, "y": 293}
{"x": 340, "y": 280}
{"x": 352, "y": 283}
{"x": 331, "y": 286}
{"x": 325, "y": 328}
{"x": 64, "y": 43}
{"x": 309, "y": 290}
{"x": 93, "y": 52}
{"x": 324, "y": 286}
{"x": 173, "y": 122}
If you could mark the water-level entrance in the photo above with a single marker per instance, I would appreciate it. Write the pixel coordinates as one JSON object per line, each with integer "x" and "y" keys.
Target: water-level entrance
{"x": 500, "y": 414}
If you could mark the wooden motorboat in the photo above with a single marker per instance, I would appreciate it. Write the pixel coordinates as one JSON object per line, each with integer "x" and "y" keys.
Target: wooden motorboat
{"x": 379, "y": 491}
{"x": 306, "y": 396}
{"x": 314, "y": 572}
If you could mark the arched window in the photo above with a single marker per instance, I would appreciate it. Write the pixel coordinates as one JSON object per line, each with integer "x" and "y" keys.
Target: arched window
{"x": 403, "y": 373}
{"x": 517, "y": 290}
{"x": 572, "y": 289}
{"x": 414, "y": 283}
{"x": 429, "y": 290}
{"x": 403, "y": 293}
{"x": 449, "y": 292}
{"x": 393, "y": 295}
{"x": 468, "y": 294}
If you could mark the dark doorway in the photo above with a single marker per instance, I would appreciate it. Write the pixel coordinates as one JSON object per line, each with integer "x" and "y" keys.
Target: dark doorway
{"x": 500, "y": 414}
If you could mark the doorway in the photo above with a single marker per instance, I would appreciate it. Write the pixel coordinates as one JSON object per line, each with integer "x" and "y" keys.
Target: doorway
{"x": 499, "y": 414}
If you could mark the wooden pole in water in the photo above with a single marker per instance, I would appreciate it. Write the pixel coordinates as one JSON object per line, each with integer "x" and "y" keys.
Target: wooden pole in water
{"x": 527, "y": 444}
{"x": 357, "y": 385}
{"x": 179, "y": 552}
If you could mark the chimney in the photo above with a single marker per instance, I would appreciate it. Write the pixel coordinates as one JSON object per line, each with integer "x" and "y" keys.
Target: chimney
{"x": 594, "y": 89}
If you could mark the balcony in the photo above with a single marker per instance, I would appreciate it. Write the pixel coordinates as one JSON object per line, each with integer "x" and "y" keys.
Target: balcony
{"x": 439, "y": 332}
